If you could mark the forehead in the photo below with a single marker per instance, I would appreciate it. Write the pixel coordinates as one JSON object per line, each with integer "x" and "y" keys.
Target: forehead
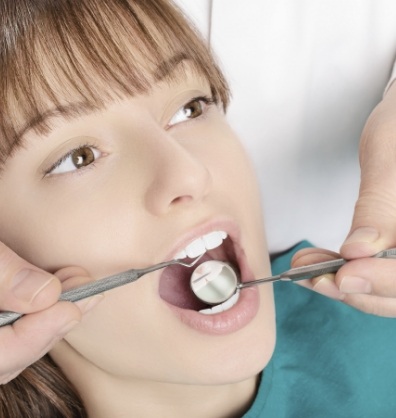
{"x": 177, "y": 72}
{"x": 91, "y": 55}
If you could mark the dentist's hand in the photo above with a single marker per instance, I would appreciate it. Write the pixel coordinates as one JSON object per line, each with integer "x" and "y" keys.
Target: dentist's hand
{"x": 368, "y": 284}
{"x": 26, "y": 289}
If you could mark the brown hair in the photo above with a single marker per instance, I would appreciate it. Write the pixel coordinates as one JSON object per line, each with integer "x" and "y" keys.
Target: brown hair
{"x": 90, "y": 52}
{"x": 42, "y": 391}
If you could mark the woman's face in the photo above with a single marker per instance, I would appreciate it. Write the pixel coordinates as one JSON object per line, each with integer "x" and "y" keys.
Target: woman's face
{"x": 129, "y": 186}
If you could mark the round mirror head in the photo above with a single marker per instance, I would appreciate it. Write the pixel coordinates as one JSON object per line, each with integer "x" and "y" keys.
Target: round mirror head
{"x": 214, "y": 282}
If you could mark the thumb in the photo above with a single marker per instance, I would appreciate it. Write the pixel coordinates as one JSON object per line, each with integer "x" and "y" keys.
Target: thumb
{"x": 374, "y": 220}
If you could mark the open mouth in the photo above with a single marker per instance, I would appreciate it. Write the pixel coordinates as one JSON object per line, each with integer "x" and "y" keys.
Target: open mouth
{"x": 174, "y": 286}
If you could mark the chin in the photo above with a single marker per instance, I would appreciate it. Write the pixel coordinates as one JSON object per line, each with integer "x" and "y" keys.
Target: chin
{"x": 235, "y": 357}
{"x": 233, "y": 369}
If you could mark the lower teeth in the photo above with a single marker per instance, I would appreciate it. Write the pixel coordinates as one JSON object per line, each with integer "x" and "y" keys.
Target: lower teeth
{"x": 223, "y": 306}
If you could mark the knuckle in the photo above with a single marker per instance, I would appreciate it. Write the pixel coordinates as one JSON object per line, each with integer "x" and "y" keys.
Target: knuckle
{"x": 386, "y": 288}
{"x": 376, "y": 203}
{"x": 366, "y": 303}
{"x": 373, "y": 305}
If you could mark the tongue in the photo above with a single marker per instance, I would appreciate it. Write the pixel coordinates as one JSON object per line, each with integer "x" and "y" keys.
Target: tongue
{"x": 174, "y": 287}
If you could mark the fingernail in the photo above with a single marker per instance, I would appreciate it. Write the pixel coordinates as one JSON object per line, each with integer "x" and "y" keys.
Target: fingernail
{"x": 85, "y": 305}
{"x": 363, "y": 234}
{"x": 27, "y": 284}
{"x": 328, "y": 288}
{"x": 353, "y": 284}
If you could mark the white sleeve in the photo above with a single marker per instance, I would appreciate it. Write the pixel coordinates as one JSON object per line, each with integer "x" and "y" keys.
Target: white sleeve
{"x": 392, "y": 78}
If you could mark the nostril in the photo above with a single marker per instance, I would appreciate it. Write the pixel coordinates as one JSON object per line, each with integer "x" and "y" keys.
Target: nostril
{"x": 181, "y": 178}
{"x": 182, "y": 199}
{"x": 159, "y": 200}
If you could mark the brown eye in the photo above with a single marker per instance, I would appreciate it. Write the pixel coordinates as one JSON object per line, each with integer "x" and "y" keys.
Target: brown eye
{"x": 75, "y": 159}
{"x": 191, "y": 110}
{"x": 82, "y": 157}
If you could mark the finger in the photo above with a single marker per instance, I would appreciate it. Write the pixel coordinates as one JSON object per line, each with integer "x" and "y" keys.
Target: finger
{"x": 324, "y": 284}
{"x": 371, "y": 304}
{"x": 72, "y": 271}
{"x": 23, "y": 287}
{"x": 29, "y": 338}
{"x": 371, "y": 276}
{"x": 33, "y": 335}
{"x": 313, "y": 255}
{"x": 374, "y": 223}
{"x": 72, "y": 277}
{"x": 367, "y": 284}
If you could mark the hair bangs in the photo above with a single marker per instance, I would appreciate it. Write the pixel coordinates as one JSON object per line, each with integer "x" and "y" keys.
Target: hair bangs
{"x": 89, "y": 52}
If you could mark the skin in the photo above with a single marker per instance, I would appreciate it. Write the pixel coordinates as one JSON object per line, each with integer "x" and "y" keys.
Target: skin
{"x": 368, "y": 284}
{"x": 372, "y": 230}
{"x": 45, "y": 322}
{"x": 159, "y": 173}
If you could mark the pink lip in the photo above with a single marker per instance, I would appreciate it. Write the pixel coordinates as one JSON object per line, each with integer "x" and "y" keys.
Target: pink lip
{"x": 226, "y": 322}
{"x": 248, "y": 304}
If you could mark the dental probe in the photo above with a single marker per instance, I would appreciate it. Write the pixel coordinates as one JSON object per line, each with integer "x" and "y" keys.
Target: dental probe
{"x": 313, "y": 270}
{"x": 214, "y": 282}
{"x": 100, "y": 286}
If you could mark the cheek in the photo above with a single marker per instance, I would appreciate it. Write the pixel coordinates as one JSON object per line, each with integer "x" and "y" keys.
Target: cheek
{"x": 233, "y": 171}
{"x": 19, "y": 224}
{"x": 53, "y": 229}
{"x": 236, "y": 184}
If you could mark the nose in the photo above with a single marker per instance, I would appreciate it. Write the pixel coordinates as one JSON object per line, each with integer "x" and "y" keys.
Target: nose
{"x": 181, "y": 178}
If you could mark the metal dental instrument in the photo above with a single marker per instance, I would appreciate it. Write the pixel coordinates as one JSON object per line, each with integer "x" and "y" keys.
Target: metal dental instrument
{"x": 214, "y": 282}
{"x": 221, "y": 285}
{"x": 313, "y": 270}
{"x": 100, "y": 286}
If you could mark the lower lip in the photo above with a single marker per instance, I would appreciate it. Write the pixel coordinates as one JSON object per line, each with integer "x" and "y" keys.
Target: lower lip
{"x": 222, "y": 323}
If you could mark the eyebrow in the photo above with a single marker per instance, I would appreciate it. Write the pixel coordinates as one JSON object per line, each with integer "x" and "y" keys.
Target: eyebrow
{"x": 40, "y": 122}
{"x": 77, "y": 109}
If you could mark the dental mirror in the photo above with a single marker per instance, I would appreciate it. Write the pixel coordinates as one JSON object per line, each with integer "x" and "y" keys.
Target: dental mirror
{"x": 214, "y": 282}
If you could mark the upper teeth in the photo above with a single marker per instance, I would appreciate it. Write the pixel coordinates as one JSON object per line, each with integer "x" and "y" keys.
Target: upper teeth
{"x": 200, "y": 245}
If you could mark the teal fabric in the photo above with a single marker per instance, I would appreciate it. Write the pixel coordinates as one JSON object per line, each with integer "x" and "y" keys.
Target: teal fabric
{"x": 330, "y": 361}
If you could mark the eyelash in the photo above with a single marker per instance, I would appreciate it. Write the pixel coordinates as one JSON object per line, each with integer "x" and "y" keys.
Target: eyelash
{"x": 48, "y": 171}
{"x": 208, "y": 101}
